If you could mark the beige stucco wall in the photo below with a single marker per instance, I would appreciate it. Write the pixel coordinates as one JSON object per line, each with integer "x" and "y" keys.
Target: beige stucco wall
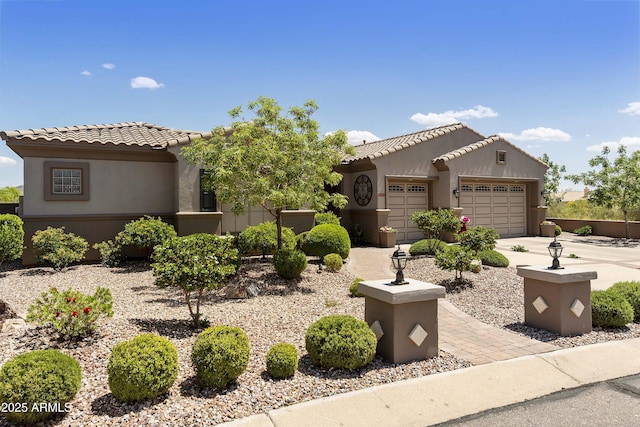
{"x": 115, "y": 187}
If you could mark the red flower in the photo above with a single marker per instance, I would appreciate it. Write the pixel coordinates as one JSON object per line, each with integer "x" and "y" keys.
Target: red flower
{"x": 87, "y": 310}
{"x": 74, "y": 314}
{"x": 57, "y": 314}
{"x": 73, "y": 300}
{"x": 68, "y": 299}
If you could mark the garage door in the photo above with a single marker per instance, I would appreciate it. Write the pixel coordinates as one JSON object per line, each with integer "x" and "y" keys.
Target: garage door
{"x": 495, "y": 205}
{"x": 403, "y": 199}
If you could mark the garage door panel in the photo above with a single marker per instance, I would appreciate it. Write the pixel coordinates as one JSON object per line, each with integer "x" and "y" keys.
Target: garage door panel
{"x": 482, "y": 200}
{"x": 466, "y": 200}
{"x": 516, "y": 219}
{"x": 501, "y": 200}
{"x": 415, "y": 235}
{"x": 397, "y": 223}
{"x": 500, "y": 210}
{"x": 500, "y": 220}
{"x": 417, "y": 201}
{"x": 396, "y": 200}
{"x": 516, "y": 200}
{"x": 483, "y": 210}
{"x": 484, "y": 221}
{"x": 516, "y": 210}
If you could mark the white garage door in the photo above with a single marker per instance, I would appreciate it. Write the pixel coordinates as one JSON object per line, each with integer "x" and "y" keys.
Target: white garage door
{"x": 403, "y": 199}
{"x": 495, "y": 205}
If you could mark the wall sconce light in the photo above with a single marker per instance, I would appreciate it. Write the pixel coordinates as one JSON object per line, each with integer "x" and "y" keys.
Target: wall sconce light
{"x": 542, "y": 193}
{"x": 555, "y": 250}
{"x": 456, "y": 192}
{"x": 399, "y": 260}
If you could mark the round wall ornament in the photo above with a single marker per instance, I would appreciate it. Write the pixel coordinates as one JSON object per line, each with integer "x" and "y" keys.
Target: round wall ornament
{"x": 363, "y": 190}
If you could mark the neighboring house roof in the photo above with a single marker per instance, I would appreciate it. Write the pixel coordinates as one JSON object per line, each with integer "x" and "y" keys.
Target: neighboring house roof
{"x": 128, "y": 134}
{"x": 476, "y": 146}
{"x": 377, "y": 149}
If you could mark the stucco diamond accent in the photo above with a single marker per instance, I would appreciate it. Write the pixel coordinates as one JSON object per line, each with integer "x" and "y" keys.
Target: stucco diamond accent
{"x": 540, "y": 305}
{"x": 577, "y": 307}
{"x": 418, "y": 335}
{"x": 377, "y": 329}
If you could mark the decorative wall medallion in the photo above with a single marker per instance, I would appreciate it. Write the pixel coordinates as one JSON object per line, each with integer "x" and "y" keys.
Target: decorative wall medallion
{"x": 363, "y": 190}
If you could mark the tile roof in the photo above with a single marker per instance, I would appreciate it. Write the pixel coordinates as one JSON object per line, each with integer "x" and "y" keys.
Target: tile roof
{"x": 128, "y": 134}
{"x": 377, "y": 149}
{"x": 476, "y": 146}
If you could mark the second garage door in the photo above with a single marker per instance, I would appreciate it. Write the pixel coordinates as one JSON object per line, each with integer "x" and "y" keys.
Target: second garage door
{"x": 403, "y": 199}
{"x": 495, "y": 205}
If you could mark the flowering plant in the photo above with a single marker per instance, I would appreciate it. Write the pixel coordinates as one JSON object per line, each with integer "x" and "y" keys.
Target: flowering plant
{"x": 465, "y": 219}
{"x": 547, "y": 223}
{"x": 71, "y": 314}
{"x": 388, "y": 229}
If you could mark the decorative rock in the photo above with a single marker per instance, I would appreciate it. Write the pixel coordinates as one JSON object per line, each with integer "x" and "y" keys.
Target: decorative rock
{"x": 10, "y": 325}
{"x": 236, "y": 292}
{"x": 253, "y": 290}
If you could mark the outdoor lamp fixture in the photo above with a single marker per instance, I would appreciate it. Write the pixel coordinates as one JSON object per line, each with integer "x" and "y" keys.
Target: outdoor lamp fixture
{"x": 555, "y": 250}
{"x": 399, "y": 260}
{"x": 456, "y": 192}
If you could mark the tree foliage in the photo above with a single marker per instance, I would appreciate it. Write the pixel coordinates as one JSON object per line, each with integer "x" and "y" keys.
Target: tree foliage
{"x": 552, "y": 178}
{"x": 272, "y": 160}
{"x": 195, "y": 263}
{"x": 9, "y": 194}
{"x": 613, "y": 184}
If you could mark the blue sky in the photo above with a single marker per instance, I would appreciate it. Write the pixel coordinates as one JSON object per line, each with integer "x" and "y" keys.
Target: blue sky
{"x": 554, "y": 76}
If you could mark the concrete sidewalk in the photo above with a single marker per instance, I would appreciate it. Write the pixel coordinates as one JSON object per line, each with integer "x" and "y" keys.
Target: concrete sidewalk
{"x": 442, "y": 397}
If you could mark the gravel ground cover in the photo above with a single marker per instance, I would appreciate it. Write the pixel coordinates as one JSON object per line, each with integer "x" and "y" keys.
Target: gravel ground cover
{"x": 282, "y": 312}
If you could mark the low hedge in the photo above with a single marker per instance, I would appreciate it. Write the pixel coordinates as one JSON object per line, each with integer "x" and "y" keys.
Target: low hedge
{"x": 493, "y": 258}
{"x": 610, "y": 310}
{"x": 426, "y": 247}
{"x": 630, "y": 291}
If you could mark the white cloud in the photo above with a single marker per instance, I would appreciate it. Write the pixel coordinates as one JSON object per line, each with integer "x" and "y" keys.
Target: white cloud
{"x": 355, "y": 137}
{"x": 108, "y": 66}
{"x": 7, "y": 161}
{"x": 538, "y": 134}
{"x": 632, "y": 142}
{"x": 86, "y": 73}
{"x": 633, "y": 109}
{"x": 145, "y": 83}
{"x": 449, "y": 117}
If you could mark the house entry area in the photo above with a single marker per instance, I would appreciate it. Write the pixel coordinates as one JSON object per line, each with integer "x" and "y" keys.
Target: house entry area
{"x": 403, "y": 199}
{"x": 495, "y": 205}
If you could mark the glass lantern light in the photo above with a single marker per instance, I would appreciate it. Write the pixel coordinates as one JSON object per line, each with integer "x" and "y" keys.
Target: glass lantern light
{"x": 399, "y": 260}
{"x": 555, "y": 250}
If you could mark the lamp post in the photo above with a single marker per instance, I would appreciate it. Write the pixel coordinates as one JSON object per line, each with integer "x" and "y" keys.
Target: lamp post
{"x": 555, "y": 250}
{"x": 399, "y": 260}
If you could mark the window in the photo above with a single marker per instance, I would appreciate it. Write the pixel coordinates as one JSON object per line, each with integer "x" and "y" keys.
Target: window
{"x": 482, "y": 188}
{"x": 66, "y": 181}
{"x": 466, "y": 188}
{"x": 499, "y": 188}
{"x": 517, "y": 188}
{"x": 501, "y": 157}
{"x": 395, "y": 188}
{"x": 416, "y": 188}
{"x": 207, "y": 197}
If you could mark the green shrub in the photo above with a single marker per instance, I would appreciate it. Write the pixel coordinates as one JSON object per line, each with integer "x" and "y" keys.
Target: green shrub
{"x": 289, "y": 263}
{"x": 219, "y": 355}
{"x": 434, "y": 223}
{"x": 145, "y": 233}
{"x": 558, "y": 230}
{"x": 11, "y": 237}
{"x": 282, "y": 360}
{"x": 193, "y": 264}
{"x": 340, "y": 341}
{"x": 325, "y": 239}
{"x": 38, "y": 377}
{"x": 326, "y": 218}
{"x": 110, "y": 253}
{"x": 426, "y": 247}
{"x": 58, "y": 249}
{"x": 493, "y": 258}
{"x": 142, "y": 368}
{"x": 71, "y": 313}
{"x": 519, "y": 248}
{"x": 262, "y": 239}
{"x": 479, "y": 238}
{"x": 631, "y": 292}
{"x": 353, "y": 287}
{"x": 333, "y": 262}
{"x": 583, "y": 231}
{"x": 610, "y": 310}
{"x": 454, "y": 258}
{"x": 357, "y": 233}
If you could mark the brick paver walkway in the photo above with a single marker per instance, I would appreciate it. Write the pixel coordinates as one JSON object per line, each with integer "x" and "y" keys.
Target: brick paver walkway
{"x": 459, "y": 334}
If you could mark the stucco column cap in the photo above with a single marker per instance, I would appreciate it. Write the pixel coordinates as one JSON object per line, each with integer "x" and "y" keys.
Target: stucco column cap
{"x": 564, "y": 275}
{"x": 414, "y": 291}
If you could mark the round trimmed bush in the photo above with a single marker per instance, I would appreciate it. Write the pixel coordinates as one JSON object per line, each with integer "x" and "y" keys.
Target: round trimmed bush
{"x": 333, "y": 262}
{"x": 340, "y": 341}
{"x": 142, "y": 368}
{"x": 558, "y": 230}
{"x": 327, "y": 239}
{"x": 289, "y": 263}
{"x": 282, "y": 360}
{"x": 40, "y": 376}
{"x": 493, "y": 258}
{"x": 219, "y": 355}
{"x": 353, "y": 288}
{"x": 610, "y": 310}
{"x": 426, "y": 247}
{"x": 631, "y": 292}
{"x": 262, "y": 239}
